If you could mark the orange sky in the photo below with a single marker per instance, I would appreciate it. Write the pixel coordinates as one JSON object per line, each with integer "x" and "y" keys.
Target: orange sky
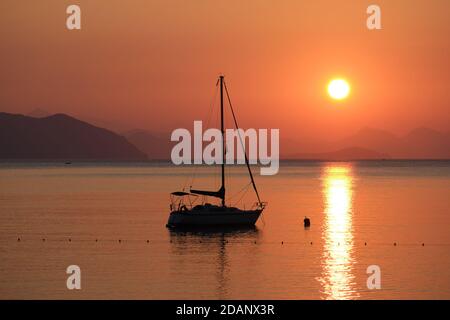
{"x": 153, "y": 64}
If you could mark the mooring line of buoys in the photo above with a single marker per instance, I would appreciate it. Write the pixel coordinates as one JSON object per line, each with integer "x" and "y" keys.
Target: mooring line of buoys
{"x": 233, "y": 241}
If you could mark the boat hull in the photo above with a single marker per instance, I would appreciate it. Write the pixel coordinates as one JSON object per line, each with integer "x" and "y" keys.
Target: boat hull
{"x": 214, "y": 217}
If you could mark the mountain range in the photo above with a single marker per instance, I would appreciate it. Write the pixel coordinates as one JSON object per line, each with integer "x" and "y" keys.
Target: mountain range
{"x": 59, "y": 136}
{"x": 367, "y": 143}
{"x": 157, "y": 146}
{"x": 420, "y": 143}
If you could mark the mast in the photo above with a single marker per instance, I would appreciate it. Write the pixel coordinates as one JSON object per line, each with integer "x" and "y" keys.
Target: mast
{"x": 221, "y": 192}
{"x": 222, "y": 130}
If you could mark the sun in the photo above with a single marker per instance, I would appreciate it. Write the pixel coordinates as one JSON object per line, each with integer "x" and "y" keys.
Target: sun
{"x": 338, "y": 89}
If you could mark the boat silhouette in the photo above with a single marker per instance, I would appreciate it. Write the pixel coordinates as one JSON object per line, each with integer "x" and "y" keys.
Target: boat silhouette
{"x": 185, "y": 214}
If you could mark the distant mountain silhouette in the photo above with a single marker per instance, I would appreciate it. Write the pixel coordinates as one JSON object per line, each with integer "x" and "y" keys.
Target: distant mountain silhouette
{"x": 371, "y": 143}
{"x": 371, "y": 138}
{"x": 343, "y": 154}
{"x": 420, "y": 143}
{"x": 39, "y": 113}
{"x": 115, "y": 126}
{"x": 426, "y": 143}
{"x": 112, "y": 125}
{"x": 156, "y": 146}
{"x": 367, "y": 143}
{"x": 61, "y": 137}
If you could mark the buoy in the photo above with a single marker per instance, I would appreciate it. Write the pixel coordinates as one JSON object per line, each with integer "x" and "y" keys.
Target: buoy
{"x": 18, "y": 239}
{"x": 70, "y": 240}
{"x": 96, "y": 240}
{"x": 282, "y": 242}
{"x": 307, "y": 222}
{"x": 43, "y": 239}
{"x": 148, "y": 241}
{"x": 365, "y": 243}
{"x": 395, "y": 243}
{"x": 120, "y": 241}
{"x": 423, "y": 244}
{"x": 311, "y": 242}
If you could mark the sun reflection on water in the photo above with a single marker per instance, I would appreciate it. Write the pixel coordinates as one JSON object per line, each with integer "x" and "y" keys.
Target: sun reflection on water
{"x": 337, "y": 261}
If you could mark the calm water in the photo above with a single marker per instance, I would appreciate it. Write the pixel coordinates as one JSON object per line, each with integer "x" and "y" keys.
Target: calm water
{"x": 357, "y": 210}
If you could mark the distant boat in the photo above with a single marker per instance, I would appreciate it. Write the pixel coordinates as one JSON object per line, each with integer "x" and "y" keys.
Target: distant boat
{"x": 185, "y": 214}
{"x": 68, "y": 162}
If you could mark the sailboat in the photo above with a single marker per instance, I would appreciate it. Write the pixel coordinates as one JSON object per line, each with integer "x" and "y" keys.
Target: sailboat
{"x": 185, "y": 214}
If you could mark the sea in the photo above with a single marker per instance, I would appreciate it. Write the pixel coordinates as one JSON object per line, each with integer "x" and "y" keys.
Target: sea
{"x": 379, "y": 230}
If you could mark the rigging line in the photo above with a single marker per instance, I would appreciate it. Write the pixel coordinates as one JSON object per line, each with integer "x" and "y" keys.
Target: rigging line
{"x": 239, "y": 200}
{"x": 237, "y": 193}
{"x": 211, "y": 111}
{"x": 211, "y": 105}
{"x": 216, "y": 169}
{"x": 242, "y": 144}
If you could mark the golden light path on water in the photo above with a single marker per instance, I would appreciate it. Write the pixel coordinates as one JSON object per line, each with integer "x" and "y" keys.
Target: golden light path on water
{"x": 337, "y": 261}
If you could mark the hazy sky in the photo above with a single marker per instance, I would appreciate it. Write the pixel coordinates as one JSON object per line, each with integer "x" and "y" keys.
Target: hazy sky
{"x": 153, "y": 64}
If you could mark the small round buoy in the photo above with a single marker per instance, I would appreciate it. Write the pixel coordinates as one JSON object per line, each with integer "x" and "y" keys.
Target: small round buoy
{"x": 282, "y": 242}
{"x": 70, "y": 240}
{"x": 148, "y": 241}
{"x": 306, "y": 222}
{"x": 18, "y": 239}
{"x": 311, "y": 242}
{"x": 43, "y": 239}
{"x": 423, "y": 244}
{"x": 365, "y": 243}
{"x": 96, "y": 240}
{"x": 395, "y": 243}
{"x": 255, "y": 242}
{"x": 120, "y": 241}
